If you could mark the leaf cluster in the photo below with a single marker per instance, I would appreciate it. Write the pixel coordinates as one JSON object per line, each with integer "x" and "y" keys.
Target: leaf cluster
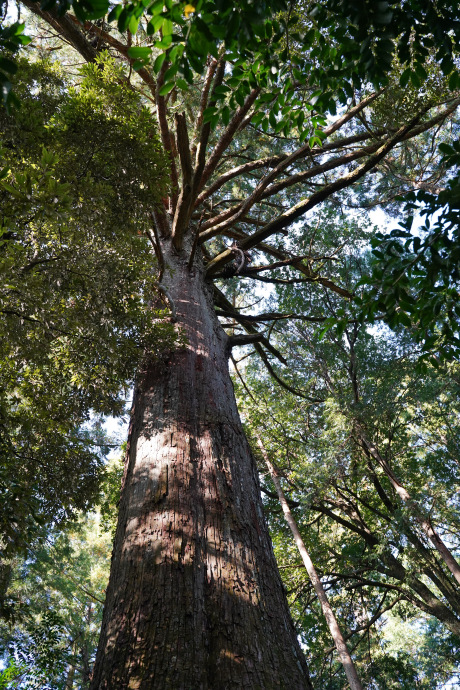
{"x": 414, "y": 277}
{"x": 78, "y": 286}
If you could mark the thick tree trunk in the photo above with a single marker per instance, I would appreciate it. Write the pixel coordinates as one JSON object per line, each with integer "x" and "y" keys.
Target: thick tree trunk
{"x": 195, "y": 599}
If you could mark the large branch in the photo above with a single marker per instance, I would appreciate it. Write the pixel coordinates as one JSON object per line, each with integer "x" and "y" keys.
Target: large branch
{"x": 218, "y": 224}
{"x": 226, "y": 138}
{"x": 205, "y": 130}
{"x": 291, "y": 215}
{"x": 286, "y": 259}
{"x": 300, "y": 153}
{"x": 285, "y": 160}
{"x": 204, "y": 101}
{"x": 183, "y": 206}
{"x": 65, "y": 28}
{"x": 166, "y": 135}
{"x": 227, "y": 306}
{"x": 233, "y": 212}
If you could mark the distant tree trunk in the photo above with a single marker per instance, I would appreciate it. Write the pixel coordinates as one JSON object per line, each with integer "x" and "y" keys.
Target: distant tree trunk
{"x": 85, "y": 653}
{"x": 336, "y": 633}
{"x": 6, "y": 571}
{"x": 194, "y": 600}
{"x": 70, "y": 677}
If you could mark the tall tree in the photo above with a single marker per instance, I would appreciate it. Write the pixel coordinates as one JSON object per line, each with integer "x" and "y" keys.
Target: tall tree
{"x": 371, "y": 548}
{"x": 194, "y": 598}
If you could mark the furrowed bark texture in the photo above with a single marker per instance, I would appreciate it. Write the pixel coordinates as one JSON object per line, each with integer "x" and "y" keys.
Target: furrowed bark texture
{"x": 195, "y": 600}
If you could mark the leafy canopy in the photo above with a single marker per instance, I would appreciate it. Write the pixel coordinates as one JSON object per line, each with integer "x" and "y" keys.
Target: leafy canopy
{"x": 77, "y": 285}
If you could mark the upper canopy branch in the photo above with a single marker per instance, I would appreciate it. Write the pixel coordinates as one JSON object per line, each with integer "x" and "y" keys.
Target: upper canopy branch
{"x": 183, "y": 206}
{"x": 220, "y": 223}
{"x": 227, "y": 137}
{"x": 212, "y": 66}
{"x": 301, "y": 152}
{"x": 66, "y": 27}
{"x": 274, "y": 160}
{"x": 291, "y": 215}
{"x": 215, "y": 77}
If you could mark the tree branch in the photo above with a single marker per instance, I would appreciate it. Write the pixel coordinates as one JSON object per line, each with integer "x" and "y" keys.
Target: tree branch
{"x": 65, "y": 27}
{"x": 221, "y": 300}
{"x": 122, "y": 48}
{"x": 290, "y": 216}
{"x": 273, "y": 317}
{"x": 183, "y": 206}
{"x": 236, "y": 340}
{"x": 165, "y": 133}
{"x": 226, "y": 138}
{"x": 204, "y": 101}
{"x": 200, "y": 156}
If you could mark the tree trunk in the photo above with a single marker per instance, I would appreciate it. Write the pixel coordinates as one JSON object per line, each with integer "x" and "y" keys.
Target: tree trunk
{"x": 194, "y": 600}
{"x": 70, "y": 677}
{"x": 331, "y": 620}
{"x": 414, "y": 508}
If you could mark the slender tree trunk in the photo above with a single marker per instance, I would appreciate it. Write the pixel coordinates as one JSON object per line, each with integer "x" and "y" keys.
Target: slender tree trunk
{"x": 84, "y": 652}
{"x": 194, "y": 600}
{"x": 339, "y": 641}
{"x": 70, "y": 677}
{"x": 6, "y": 571}
{"x": 414, "y": 508}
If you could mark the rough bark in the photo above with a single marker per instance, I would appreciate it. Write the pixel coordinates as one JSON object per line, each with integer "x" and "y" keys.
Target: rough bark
{"x": 195, "y": 600}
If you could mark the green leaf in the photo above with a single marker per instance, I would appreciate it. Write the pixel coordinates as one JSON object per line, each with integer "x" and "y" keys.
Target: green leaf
{"x": 166, "y": 88}
{"x": 133, "y": 24}
{"x": 8, "y": 65}
{"x": 157, "y": 65}
{"x": 182, "y": 84}
{"x": 114, "y": 13}
{"x": 139, "y": 52}
{"x": 405, "y": 76}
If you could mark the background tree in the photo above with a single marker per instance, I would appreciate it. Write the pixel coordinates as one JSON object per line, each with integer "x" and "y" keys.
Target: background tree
{"x": 375, "y": 560}
{"x": 74, "y": 317}
{"x": 59, "y": 590}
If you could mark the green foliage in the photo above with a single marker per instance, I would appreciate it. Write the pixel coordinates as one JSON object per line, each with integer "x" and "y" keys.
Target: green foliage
{"x": 352, "y": 522}
{"x": 11, "y": 39}
{"x": 414, "y": 278}
{"x": 305, "y": 60}
{"x": 371, "y": 34}
{"x": 59, "y": 589}
{"x": 81, "y": 169}
{"x": 110, "y": 494}
{"x": 11, "y": 676}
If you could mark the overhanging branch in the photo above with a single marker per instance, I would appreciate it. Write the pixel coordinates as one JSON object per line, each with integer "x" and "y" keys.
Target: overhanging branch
{"x": 291, "y": 215}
